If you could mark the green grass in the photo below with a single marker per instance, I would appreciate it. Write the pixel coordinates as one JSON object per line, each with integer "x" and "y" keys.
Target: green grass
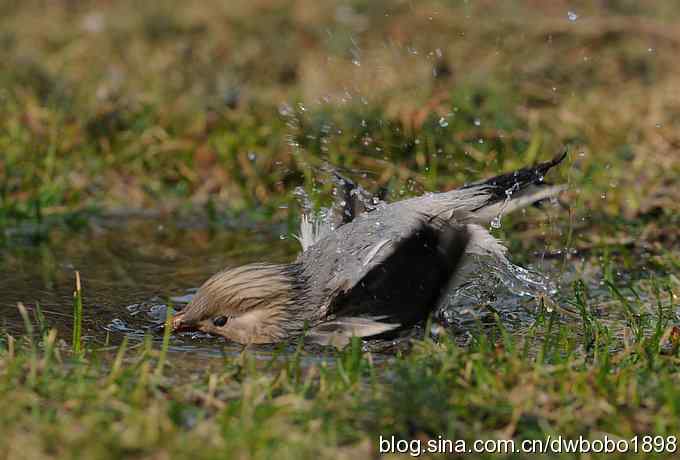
{"x": 570, "y": 379}
{"x": 218, "y": 109}
{"x": 102, "y": 109}
{"x": 77, "y": 316}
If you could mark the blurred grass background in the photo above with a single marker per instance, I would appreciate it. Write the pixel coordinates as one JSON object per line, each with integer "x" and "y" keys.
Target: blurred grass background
{"x": 223, "y": 108}
{"x": 169, "y": 106}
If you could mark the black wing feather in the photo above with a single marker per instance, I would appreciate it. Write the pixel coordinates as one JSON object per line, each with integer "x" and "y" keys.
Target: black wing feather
{"x": 406, "y": 287}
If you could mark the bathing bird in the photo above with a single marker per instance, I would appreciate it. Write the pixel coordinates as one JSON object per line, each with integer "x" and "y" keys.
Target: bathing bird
{"x": 370, "y": 269}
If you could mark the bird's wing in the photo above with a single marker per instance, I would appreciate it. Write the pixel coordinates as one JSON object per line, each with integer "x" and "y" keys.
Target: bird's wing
{"x": 399, "y": 281}
{"x": 339, "y": 331}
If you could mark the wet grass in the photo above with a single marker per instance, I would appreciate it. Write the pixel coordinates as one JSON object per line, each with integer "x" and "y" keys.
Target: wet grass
{"x": 220, "y": 110}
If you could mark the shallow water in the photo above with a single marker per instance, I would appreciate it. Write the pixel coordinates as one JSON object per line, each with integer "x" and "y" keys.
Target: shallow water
{"x": 132, "y": 268}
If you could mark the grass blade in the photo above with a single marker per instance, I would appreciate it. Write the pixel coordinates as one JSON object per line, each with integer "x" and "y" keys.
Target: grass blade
{"x": 77, "y": 316}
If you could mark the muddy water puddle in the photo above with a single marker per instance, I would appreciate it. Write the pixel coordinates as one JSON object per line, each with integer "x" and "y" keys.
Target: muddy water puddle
{"x": 132, "y": 269}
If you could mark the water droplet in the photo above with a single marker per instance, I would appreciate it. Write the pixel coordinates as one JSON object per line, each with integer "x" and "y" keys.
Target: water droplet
{"x": 443, "y": 123}
{"x": 285, "y": 110}
{"x": 572, "y": 16}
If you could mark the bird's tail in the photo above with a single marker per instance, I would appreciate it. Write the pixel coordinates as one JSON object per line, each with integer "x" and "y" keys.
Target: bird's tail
{"x": 512, "y": 191}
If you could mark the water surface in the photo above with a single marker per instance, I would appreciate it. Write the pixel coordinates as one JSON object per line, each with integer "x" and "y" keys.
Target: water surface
{"x": 133, "y": 268}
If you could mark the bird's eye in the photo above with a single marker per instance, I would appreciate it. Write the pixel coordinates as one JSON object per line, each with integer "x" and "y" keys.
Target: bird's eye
{"x": 220, "y": 321}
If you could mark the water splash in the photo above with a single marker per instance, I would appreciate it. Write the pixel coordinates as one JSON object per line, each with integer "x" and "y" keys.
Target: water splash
{"x": 496, "y": 221}
{"x": 523, "y": 282}
{"x": 315, "y": 223}
{"x": 489, "y": 286}
{"x": 303, "y": 200}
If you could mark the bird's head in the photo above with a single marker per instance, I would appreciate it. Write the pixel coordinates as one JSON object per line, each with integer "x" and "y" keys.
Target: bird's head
{"x": 256, "y": 303}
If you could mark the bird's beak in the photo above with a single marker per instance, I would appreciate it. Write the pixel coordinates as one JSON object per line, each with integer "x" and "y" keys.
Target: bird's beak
{"x": 180, "y": 326}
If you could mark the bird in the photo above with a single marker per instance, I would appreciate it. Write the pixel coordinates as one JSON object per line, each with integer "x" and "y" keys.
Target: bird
{"x": 372, "y": 268}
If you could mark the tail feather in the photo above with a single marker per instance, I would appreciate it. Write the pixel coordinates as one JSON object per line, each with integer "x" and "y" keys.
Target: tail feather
{"x": 500, "y": 187}
{"x": 512, "y": 191}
